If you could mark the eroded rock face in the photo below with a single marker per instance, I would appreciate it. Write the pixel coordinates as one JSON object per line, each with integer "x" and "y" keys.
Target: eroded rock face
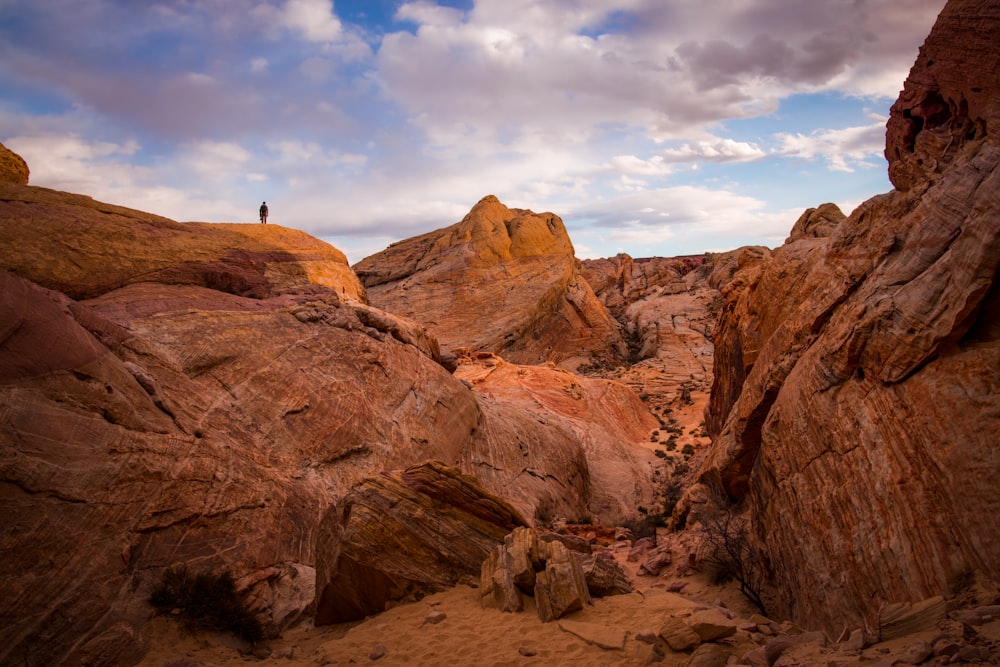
{"x": 13, "y": 168}
{"x": 553, "y": 442}
{"x": 159, "y": 419}
{"x": 667, "y": 310}
{"x": 206, "y": 429}
{"x": 864, "y": 433}
{"x": 403, "y": 535}
{"x": 501, "y": 280}
{"x": 949, "y": 104}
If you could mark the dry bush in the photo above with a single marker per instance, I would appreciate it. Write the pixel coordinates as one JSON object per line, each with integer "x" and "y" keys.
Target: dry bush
{"x": 729, "y": 550}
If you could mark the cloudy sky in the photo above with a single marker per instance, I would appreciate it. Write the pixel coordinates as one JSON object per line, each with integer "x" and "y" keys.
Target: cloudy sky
{"x": 652, "y": 127}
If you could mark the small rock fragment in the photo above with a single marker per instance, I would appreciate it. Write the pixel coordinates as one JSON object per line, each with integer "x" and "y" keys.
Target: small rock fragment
{"x": 678, "y": 635}
{"x": 435, "y": 617}
{"x": 708, "y": 655}
{"x": 916, "y": 652}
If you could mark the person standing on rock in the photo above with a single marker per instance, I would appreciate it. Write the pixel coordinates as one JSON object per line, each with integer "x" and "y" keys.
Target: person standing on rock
{"x": 263, "y": 213}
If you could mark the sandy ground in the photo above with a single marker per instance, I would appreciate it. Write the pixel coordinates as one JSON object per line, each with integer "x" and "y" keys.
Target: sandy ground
{"x": 469, "y": 634}
{"x": 601, "y": 634}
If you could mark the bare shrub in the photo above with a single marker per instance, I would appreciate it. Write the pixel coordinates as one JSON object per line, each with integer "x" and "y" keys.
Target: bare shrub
{"x": 728, "y": 548}
{"x": 206, "y": 600}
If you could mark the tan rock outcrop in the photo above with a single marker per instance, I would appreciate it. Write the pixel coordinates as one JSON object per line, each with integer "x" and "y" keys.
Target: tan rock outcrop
{"x": 501, "y": 280}
{"x": 864, "y": 433}
{"x": 13, "y": 168}
{"x": 404, "y": 535}
{"x": 817, "y": 222}
{"x": 84, "y": 248}
{"x": 544, "y": 569}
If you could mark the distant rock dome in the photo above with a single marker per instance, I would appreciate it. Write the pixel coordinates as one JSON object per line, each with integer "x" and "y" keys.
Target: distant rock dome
{"x": 13, "y": 168}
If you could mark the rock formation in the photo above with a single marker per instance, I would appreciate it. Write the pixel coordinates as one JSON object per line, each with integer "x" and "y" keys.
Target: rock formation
{"x": 501, "y": 280}
{"x": 199, "y": 395}
{"x": 13, "y": 168}
{"x": 552, "y": 442}
{"x": 402, "y": 536}
{"x": 860, "y": 371}
{"x": 84, "y": 248}
{"x": 542, "y": 567}
{"x": 667, "y": 310}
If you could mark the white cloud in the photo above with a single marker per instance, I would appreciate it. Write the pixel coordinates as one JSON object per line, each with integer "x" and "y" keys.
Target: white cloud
{"x": 842, "y": 149}
{"x": 717, "y": 150}
{"x": 507, "y": 68}
{"x": 636, "y": 166}
{"x": 313, "y": 18}
{"x": 676, "y": 220}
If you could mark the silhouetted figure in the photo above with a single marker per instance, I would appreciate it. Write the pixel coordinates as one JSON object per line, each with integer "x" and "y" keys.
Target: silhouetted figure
{"x": 263, "y": 213}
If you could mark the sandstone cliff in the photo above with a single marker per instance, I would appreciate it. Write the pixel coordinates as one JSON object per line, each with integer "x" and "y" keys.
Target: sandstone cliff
{"x": 501, "y": 280}
{"x": 859, "y": 411}
{"x": 199, "y": 395}
{"x": 13, "y": 168}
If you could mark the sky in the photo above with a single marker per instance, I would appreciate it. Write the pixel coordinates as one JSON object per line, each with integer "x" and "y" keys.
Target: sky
{"x": 651, "y": 127}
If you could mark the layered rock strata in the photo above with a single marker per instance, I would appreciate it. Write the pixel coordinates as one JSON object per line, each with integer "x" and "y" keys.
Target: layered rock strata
{"x": 501, "y": 280}
{"x": 403, "y": 535}
{"x": 552, "y": 442}
{"x": 861, "y": 412}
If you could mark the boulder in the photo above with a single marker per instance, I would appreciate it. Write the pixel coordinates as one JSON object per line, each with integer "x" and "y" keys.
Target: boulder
{"x": 546, "y": 570}
{"x": 605, "y": 576}
{"x": 817, "y": 222}
{"x": 656, "y": 559}
{"x": 678, "y": 635}
{"x": 403, "y": 535}
{"x": 901, "y": 618}
{"x": 708, "y": 655}
{"x": 711, "y": 625}
{"x": 561, "y": 587}
{"x": 784, "y": 644}
{"x": 501, "y": 280}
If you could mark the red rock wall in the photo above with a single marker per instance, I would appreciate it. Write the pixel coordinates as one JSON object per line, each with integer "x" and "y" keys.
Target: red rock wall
{"x": 865, "y": 435}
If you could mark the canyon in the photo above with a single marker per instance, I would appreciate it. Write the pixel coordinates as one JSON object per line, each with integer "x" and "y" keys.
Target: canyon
{"x": 348, "y": 438}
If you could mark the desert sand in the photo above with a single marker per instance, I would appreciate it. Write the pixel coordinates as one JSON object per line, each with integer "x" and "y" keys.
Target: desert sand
{"x": 604, "y": 633}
